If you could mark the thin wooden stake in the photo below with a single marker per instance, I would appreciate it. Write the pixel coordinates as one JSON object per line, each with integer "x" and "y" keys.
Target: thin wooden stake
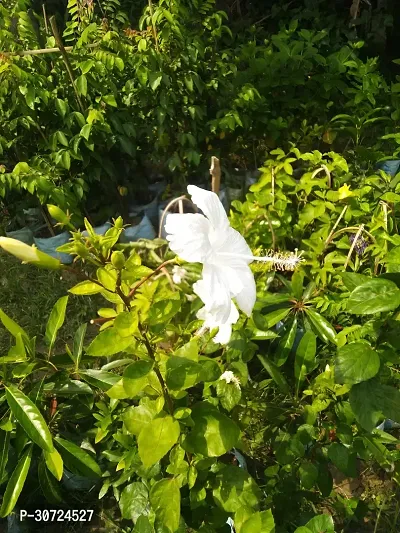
{"x": 45, "y": 18}
{"x": 215, "y": 171}
{"x": 64, "y": 54}
{"x": 153, "y": 25}
{"x": 40, "y": 51}
{"x": 353, "y": 245}
{"x": 328, "y": 240}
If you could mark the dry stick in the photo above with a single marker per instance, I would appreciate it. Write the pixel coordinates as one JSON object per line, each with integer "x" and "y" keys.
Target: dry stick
{"x": 40, "y": 51}
{"x": 215, "y": 171}
{"x": 64, "y": 54}
{"x": 165, "y": 212}
{"x": 273, "y": 185}
{"x": 48, "y": 224}
{"x": 328, "y": 240}
{"x": 360, "y": 229}
{"x": 153, "y": 25}
{"x": 327, "y": 172}
{"x": 45, "y": 18}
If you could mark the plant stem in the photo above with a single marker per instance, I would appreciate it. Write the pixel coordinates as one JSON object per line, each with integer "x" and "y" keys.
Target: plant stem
{"x": 328, "y": 240}
{"x": 150, "y": 351}
{"x": 160, "y": 267}
{"x": 360, "y": 229}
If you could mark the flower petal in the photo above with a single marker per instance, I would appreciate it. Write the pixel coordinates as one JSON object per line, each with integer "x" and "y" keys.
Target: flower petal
{"x": 216, "y": 292}
{"x": 230, "y": 242}
{"x": 242, "y": 286}
{"x": 188, "y": 236}
{"x": 211, "y": 206}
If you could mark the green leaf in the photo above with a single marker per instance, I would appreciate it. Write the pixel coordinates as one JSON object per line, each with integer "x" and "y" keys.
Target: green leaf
{"x": 374, "y": 296}
{"x": 30, "y": 418}
{"x": 136, "y": 418}
{"x": 325, "y": 331}
{"x": 297, "y": 284}
{"x": 56, "y": 320}
{"x": 49, "y": 485}
{"x": 66, "y": 160}
{"x": 126, "y": 323}
{"x": 134, "y": 501}
{"x": 77, "y": 460}
{"x": 165, "y": 499}
{"x": 16, "y": 483}
{"x": 54, "y": 463}
{"x": 85, "y": 132}
{"x": 343, "y": 459}
{"x": 260, "y": 522}
{"x": 321, "y": 524}
{"x": 110, "y": 100}
{"x": 308, "y": 473}
{"x": 86, "y": 288}
{"x": 156, "y": 439}
{"x": 352, "y": 280}
{"x": 356, "y": 362}
{"x": 182, "y": 373}
{"x": 81, "y": 85}
{"x": 108, "y": 342}
{"x": 77, "y": 347}
{"x": 135, "y": 377}
{"x": 305, "y": 357}
{"x": 189, "y": 350}
{"x": 286, "y": 344}
{"x": 363, "y": 404}
{"x": 234, "y": 488}
{"x": 100, "y": 378}
{"x": 61, "y": 107}
{"x": 229, "y": 394}
{"x": 4, "y": 452}
{"x": 155, "y": 79}
{"x": 12, "y": 326}
{"x": 213, "y": 433}
{"x": 143, "y": 525}
{"x": 275, "y": 373}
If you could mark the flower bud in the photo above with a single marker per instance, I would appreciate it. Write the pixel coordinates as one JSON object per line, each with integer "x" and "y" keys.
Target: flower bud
{"x": 118, "y": 260}
{"x": 119, "y": 223}
{"x": 29, "y": 254}
{"x": 58, "y": 214}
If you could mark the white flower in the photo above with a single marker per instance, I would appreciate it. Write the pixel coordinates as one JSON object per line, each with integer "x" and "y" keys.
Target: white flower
{"x": 225, "y": 255}
{"x": 178, "y": 274}
{"x": 230, "y": 377}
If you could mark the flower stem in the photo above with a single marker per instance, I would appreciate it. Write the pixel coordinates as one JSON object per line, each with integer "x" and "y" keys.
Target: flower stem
{"x": 160, "y": 267}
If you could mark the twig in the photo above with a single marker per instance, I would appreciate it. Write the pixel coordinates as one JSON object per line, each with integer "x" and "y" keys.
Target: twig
{"x": 327, "y": 172}
{"x": 47, "y": 221}
{"x": 360, "y": 229}
{"x": 328, "y": 240}
{"x": 150, "y": 351}
{"x": 160, "y": 267}
{"x": 215, "y": 171}
{"x": 45, "y": 18}
{"x": 165, "y": 212}
{"x": 153, "y": 25}
{"x": 41, "y": 51}
{"x": 64, "y": 54}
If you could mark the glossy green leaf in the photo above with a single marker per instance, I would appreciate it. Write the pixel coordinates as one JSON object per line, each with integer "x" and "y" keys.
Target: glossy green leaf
{"x": 108, "y": 342}
{"x": 50, "y": 487}
{"x": 56, "y": 320}
{"x": 308, "y": 474}
{"x": 4, "y": 453}
{"x": 356, "y": 362}
{"x": 134, "y": 501}
{"x": 352, "y": 280}
{"x": 165, "y": 499}
{"x": 77, "y": 460}
{"x": 30, "y": 418}
{"x": 305, "y": 357}
{"x": 321, "y": 524}
{"x": 54, "y": 463}
{"x": 275, "y": 373}
{"x": 286, "y": 344}
{"x": 86, "y": 288}
{"x": 136, "y": 418}
{"x": 77, "y": 347}
{"x": 126, "y": 323}
{"x": 374, "y": 296}
{"x": 100, "y": 378}
{"x": 16, "y": 483}
{"x": 157, "y": 438}
{"x": 325, "y": 331}
{"x": 182, "y": 373}
{"x": 343, "y": 459}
